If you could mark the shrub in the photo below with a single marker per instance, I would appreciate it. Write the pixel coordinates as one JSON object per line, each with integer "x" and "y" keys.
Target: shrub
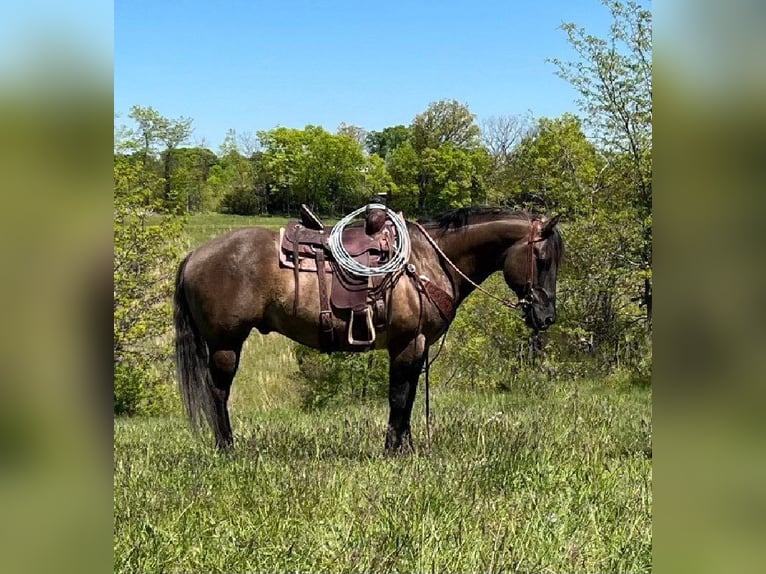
{"x": 340, "y": 376}
{"x": 146, "y": 254}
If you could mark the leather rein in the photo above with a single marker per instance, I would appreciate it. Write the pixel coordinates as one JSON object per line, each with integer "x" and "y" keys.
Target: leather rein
{"x": 534, "y": 229}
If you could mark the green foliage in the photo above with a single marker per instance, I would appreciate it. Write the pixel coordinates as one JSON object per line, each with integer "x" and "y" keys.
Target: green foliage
{"x": 554, "y": 169}
{"x": 403, "y": 165}
{"x": 192, "y": 170}
{"x": 614, "y": 79}
{"x": 445, "y": 122}
{"x": 384, "y": 142}
{"x": 442, "y": 166}
{"x": 340, "y": 376}
{"x": 488, "y": 346}
{"x": 158, "y": 133}
{"x": 145, "y": 256}
{"x": 315, "y": 167}
{"x": 233, "y": 185}
{"x": 377, "y": 179}
{"x": 601, "y": 295}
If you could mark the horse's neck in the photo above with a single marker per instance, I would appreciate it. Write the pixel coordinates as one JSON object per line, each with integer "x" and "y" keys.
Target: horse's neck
{"x": 477, "y": 250}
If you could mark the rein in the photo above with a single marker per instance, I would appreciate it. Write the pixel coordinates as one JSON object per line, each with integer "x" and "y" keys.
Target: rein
{"x": 533, "y": 230}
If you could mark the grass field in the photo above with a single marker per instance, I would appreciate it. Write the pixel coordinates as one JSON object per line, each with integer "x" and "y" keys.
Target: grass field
{"x": 554, "y": 477}
{"x": 203, "y": 227}
{"x": 553, "y": 480}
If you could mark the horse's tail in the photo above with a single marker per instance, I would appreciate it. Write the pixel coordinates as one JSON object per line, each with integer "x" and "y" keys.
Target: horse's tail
{"x": 194, "y": 379}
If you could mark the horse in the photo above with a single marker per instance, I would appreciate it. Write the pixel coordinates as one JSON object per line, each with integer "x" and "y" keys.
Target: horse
{"x": 235, "y": 283}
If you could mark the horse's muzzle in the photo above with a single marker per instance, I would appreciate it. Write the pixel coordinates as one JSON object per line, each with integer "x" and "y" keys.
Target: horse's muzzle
{"x": 536, "y": 320}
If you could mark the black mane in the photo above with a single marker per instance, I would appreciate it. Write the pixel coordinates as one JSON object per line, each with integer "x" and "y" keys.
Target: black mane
{"x": 456, "y": 218}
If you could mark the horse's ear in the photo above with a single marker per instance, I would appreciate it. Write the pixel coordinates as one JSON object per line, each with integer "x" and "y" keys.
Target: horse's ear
{"x": 549, "y": 225}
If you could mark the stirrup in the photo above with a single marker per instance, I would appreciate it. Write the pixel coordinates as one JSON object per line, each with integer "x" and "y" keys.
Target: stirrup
{"x": 370, "y": 327}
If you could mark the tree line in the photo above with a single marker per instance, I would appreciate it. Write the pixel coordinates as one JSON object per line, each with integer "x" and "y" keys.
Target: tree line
{"x": 595, "y": 169}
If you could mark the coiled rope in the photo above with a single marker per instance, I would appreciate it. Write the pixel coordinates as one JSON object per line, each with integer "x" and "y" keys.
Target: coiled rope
{"x": 401, "y": 249}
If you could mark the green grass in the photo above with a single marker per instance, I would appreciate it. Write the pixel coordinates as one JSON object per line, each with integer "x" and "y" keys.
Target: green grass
{"x": 553, "y": 480}
{"x": 202, "y": 227}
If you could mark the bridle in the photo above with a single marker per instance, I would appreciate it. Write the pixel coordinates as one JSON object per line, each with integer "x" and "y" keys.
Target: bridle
{"x": 530, "y": 278}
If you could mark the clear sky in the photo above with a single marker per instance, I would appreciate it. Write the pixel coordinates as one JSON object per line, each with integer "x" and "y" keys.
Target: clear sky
{"x": 254, "y": 65}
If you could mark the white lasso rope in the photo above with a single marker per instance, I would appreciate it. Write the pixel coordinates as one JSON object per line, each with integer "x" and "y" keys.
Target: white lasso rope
{"x": 401, "y": 251}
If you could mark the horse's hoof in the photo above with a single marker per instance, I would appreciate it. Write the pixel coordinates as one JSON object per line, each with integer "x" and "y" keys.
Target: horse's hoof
{"x": 399, "y": 448}
{"x": 224, "y": 445}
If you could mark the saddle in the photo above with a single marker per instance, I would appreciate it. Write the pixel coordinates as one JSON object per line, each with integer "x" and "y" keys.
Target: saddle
{"x": 361, "y": 301}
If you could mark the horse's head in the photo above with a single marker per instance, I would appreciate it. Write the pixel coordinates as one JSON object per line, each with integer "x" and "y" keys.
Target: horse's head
{"x": 530, "y": 270}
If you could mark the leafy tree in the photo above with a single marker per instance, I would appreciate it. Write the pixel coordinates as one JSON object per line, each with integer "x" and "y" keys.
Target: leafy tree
{"x": 377, "y": 179}
{"x": 312, "y": 166}
{"x": 614, "y": 79}
{"x": 158, "y": 134}
{"x": 192, "y": 169}
{"x": 404, "y": 166}
{"x": 554, "y": 169}
{"x": 146, "y": 250}
{"x": 442, "y": 165}
{"x": 235, "y": 180}
{"x": 445, "y": 122}
{"x": 384, "y": 142}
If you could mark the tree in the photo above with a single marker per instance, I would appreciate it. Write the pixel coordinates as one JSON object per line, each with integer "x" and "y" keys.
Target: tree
{"x": 158, "y": 133}
{"x": 442, "y": 166}
{"x": 554, "y": 169}
{"x": 312, "y": 166}
{"x": 614, "y": 79}
{"x": 146, "y": 249}
{"x": 500, "y": 136}
{"x": 192, "y": 169}
{"x": 377, "y": 179}
{"x": 445, "y": 121}
{"x": 384, "y": 142}
{"x": 354, "y": 133}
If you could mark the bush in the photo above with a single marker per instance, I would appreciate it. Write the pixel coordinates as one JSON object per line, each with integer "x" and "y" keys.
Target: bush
{"x": 340, "y": 376}
{"x": 146, "y": 254}
{"x": 137, "y": 391}
{"x": 240, "y": 201}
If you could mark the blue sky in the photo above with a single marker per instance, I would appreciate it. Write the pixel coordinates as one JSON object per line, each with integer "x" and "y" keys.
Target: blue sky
{"x": 259, "y": 64}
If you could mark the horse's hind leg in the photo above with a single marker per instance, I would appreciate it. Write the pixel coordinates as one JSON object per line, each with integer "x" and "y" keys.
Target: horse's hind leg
{"x": 223, "y": 367}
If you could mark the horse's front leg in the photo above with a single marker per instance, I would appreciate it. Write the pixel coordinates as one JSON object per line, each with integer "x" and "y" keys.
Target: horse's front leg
{"x": 405, "y": 364}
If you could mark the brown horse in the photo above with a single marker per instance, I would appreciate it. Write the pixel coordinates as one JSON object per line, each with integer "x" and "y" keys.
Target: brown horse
{"x": 235, "y": 283}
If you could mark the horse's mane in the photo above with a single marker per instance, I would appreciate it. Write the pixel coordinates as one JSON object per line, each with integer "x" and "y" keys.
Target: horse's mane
{"x": 457, "y": 218}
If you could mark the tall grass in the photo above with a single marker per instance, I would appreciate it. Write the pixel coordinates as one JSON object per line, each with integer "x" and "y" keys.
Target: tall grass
{"x": 557, "y": 480}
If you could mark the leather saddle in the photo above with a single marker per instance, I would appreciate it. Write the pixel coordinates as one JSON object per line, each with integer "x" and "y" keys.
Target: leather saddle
{"x": 361, "y": 301}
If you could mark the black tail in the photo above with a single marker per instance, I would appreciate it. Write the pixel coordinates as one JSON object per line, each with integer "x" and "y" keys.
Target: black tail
{"x": 194, "y": 379}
